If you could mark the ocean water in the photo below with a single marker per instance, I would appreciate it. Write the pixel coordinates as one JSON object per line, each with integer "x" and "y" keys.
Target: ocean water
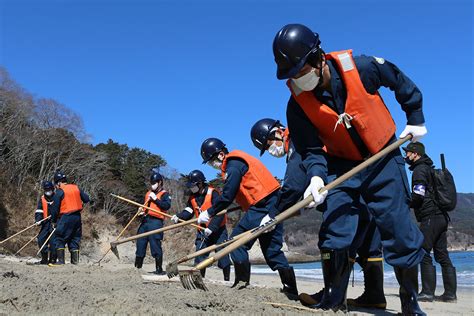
{"x": 463, "y": 261}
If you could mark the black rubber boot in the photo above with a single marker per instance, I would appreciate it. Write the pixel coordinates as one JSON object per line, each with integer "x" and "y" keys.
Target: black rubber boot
{"x": 288, "y": 279}
{"x": 158, "y": 266}
{"x": 53, "y": 257}
{"x": 336, "y": 271}
{"x": 139, "y": 262}
{"x": 242, "y": 274}
{"x": 203, "y": 272}
{"x": 373, "y": 296}
{"x": 450, "y": 285}
{"x": 226, "y": 272}
{"x": 60, "y": 258}
{"x": 311, "y": 299}
{"x": 44, "y": 258}
{"x": 428, "y": 282}
{"x": 75, "y": 256}
{"x": 408, "y": 280}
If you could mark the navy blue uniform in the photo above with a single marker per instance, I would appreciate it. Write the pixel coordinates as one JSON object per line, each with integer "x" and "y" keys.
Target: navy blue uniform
{"x": 219, "y": 233}
{"x": 151, "y": 223}
{"x": 271, "y": 242}
{"x": 383, "y": 185}
{"x": 46, "y": 227}
{"x": 69, "y": 226}
{"x": 367, "y": 242}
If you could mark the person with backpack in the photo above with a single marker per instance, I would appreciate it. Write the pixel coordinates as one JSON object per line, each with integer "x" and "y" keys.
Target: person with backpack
{"x": 433, "y": 221}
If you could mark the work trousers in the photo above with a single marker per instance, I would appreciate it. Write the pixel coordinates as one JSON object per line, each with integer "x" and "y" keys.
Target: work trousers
{"x": 150, "y": 223}
{"x": 384, "y": 188}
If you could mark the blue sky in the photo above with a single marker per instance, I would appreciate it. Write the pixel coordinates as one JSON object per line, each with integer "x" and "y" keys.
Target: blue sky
{"x": 165, "y": 75}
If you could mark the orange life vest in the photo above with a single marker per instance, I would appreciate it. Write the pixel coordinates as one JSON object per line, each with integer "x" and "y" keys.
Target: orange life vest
{"x": 367, "y": 113}
{"x": 44, "y": 205}
{"x": 154, "y": 206}
{"x": 286, "y": 137}
{"x": 206, "y": 204}
{"x": 256, "y": 184}
{"x": 72, "y": 199}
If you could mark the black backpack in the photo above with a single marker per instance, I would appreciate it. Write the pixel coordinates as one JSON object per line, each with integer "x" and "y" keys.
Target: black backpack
{"x": 445, "y": 195}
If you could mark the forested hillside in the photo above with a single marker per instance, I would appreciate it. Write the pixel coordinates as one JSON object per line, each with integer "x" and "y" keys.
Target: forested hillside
{"x": 39, "y": 136}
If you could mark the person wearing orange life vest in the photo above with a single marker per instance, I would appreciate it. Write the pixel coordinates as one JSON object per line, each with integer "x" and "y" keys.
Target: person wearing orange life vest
{"x": 66, "y": 218}
{"x": 156, "y": 199}
{"x": 255, "y": 189}
{"x": 270, "y": 135}
{"x": 42, "y": 211}
{"x": 337, "y": 119}
{"x": 202, "y": 197}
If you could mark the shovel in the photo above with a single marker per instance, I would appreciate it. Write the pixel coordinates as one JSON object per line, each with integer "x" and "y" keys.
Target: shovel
{"x": 24, "y": 246}
{"x": 192, "y": 279}
{"x": 113, "y": 245}
{"x": 24, "y": 230}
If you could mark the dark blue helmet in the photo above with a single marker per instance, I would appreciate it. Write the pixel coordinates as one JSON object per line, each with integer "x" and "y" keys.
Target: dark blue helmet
{"x": 292, "y": 46}
{"x": 195, "y": 177}
{"x": 48, "y": 186}
{"x": 59, "y": 176}
{"x": 260, "y": 133}
{"x": 155, "y": 178}
{"x": 211, "y": 147}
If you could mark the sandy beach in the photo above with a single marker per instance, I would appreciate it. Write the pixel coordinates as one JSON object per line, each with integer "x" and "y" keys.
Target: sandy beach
{"x": 119, "y": 288}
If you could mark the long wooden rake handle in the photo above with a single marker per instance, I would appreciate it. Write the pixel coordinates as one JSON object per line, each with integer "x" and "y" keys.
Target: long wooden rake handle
{"x": 24, "y": 230}
{"x": 46, "y": 242}
{"x": 295, "y": 208}
{"x": 212, "y": 247}
{"x": 149, "y": 208}
{"x": 24, "y": 246}
{"x": 120, "y": 235}
{"x": 160, "y": 230}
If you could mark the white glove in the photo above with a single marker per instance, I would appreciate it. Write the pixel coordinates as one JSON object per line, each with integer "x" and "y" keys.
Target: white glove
{"x": 207, "y": 232}
{"x": 265, "y": 220}
{"x": 417, "y": 132}
{"x": 175, "y": 219}
{"x": 152, "y": 196}
{"x": 203, "y": 217}
{"x": 141, "y": 211}
{"x": 38, "y": 223}
{"x": 313, "y": 188}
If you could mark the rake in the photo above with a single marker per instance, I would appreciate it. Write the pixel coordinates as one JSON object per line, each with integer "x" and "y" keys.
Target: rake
{"x": 121, "y": 233}
{"x": 46, "y": 241}
{"x": 24, "y": 246}
{"x": 172, "y": 267}
{"x": 24, "y": 230}
{"x": 192, "y": 279}
{"x": 114, "y": 244}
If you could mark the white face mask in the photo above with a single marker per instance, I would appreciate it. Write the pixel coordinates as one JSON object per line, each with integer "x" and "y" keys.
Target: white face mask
{"x": 276, "y": 151}
{"x": 194, "y": 189}
{"x": 307, "y": 82}
{"x": 216, "y": 164}
{"x": 154, "y": 186}
{"x": 48, "y": 193}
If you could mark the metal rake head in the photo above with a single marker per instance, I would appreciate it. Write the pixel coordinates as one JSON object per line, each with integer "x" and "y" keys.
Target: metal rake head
{"x": 172, "y": 269}
{"x": 113, "y": 247}
{"x": 192, "y": 280}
